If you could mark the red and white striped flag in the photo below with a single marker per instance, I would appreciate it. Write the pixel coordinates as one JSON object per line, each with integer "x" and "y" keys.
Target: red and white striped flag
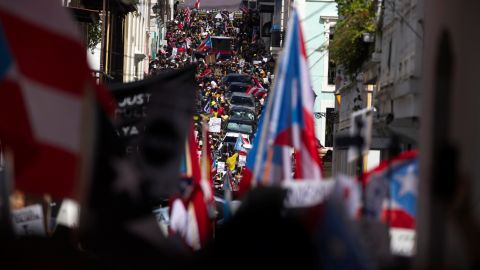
{"x": 197, "y": 4}
{"x": 257, "y": 92}
{"x": 44, "y": 80}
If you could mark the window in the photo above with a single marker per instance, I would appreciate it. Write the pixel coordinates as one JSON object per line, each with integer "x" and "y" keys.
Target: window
{"x": 331, "y": 65}
{"x": 330, "y": 120}
{"x": 242, "y": 101}
{"x": 267, "y": 29}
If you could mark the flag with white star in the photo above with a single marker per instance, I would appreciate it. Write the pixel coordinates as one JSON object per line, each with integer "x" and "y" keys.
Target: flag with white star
{"x": 391, "y": 191}
{"x": 128, "y": 185}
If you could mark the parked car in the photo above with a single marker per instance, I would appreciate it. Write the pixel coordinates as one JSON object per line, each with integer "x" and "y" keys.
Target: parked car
{"x": 229, "y": 141}
{"x": 240, "y": 128}
{"x": 243, "y": 115}
{"x": 236, "y": 87}
{"x": 235, "y": 77}
{"x": 242, "y": 100}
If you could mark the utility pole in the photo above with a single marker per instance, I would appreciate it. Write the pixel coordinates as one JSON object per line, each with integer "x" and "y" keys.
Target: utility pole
{"x": 103, "y": 47}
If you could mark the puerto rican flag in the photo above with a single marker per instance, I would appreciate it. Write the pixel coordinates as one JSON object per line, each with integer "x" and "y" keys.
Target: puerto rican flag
{"x": 197, "y": 4}
{"x": 244, "y": 9}
{"x": 43, "y": 92}
{"x": 257, "y": 82}
{"x": 391, "y": 191}
{"x": 256, "y": 91}
{"x": 197, "y": 229}
{"x": 287, "y": 124}
{"x": 187, "y": 13}
{"x": 205, "y": 45}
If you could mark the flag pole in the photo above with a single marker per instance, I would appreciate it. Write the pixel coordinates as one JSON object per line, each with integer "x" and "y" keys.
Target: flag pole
{"x": 268, "y": 165}
{"x": 393, "y": 151}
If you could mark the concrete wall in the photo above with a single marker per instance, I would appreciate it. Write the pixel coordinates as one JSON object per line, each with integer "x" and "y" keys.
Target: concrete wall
{"x": 401, "y": 58}
{"x": 316, "y": 35}
{"x": 450, "y": 110}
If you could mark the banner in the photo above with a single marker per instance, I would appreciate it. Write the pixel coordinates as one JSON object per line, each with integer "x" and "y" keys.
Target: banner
{"x": 214, "y": 5}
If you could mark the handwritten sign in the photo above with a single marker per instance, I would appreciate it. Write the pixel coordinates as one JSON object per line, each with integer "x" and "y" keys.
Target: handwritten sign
{"x": 215, "y": 124}
{"x": 29, "y": 220}
{"x": 174, "y": 53}
{"x": 242, "y": 160}
{"x": 402, "y": 242}
{"x": 307, "y": 193}
{"x": 238, "y": 14}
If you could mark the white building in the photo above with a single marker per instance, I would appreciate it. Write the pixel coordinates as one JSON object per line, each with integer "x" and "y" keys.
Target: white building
{"x": 137, "y": 49}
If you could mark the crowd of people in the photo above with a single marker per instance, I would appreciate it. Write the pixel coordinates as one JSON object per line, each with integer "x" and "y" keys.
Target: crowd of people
{"x": 189, "y": 41}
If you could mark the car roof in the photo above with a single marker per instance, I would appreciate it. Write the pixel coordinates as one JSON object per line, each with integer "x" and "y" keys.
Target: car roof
{"x": 239, "y": 84}
{"x": 241, "y": 95}
{"x": 232, "y": 134}
{"x": 237, "y": 75}
{"x": 242, "y": 109}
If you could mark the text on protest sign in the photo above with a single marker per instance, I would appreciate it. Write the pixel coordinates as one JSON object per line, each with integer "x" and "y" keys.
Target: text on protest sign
{"x": 215, "y": 124}
{"x": 29, "y": 220}
{"x": 307, "y": 193}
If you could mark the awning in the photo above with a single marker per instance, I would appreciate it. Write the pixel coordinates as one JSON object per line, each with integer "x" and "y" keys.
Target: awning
{"x": 84, "y": 15}
{"x": 214, "y": 4}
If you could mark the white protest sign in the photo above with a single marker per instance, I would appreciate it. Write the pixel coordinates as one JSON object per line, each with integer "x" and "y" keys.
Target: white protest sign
{"x": 163, "y": 218}
{"x": 215, "y": 124}
{"x": 365, "y": 118}
{"x": 242, "y": 160}
{"x": 230, "y": 16}
{"x": 307, "y": 192}
{"x": 174, "y": 52}
{"x": 29, "y": 220}
{"x": 69, "y": 213}
{"x": 402, "y": 242}
{"x": 220, "y": 166}
{"x": 349, "y": 191}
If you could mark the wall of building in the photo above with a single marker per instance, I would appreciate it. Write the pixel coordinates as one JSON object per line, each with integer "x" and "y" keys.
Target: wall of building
{"x": 318, "y": 17}
{"x": 450, "y": 131}
{"x": 401, "y": 61}
{"x": 136, "y": 38}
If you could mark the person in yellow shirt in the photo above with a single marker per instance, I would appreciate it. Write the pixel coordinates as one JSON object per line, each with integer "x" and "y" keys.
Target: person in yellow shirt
{"x": 232, "y": 161}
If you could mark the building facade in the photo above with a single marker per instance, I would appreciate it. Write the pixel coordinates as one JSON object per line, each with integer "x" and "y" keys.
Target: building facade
{"x": 389, "y": 82}
{"x": 449, "y": 137}
{"x": 129, "y": 34}
{"x": 137, "y": 48}
{"x": 319, "y": 18}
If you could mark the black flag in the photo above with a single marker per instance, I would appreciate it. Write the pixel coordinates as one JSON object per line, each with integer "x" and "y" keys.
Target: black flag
{"x": 134, "y": 171}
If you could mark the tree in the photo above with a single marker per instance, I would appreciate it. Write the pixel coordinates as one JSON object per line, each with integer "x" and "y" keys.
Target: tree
{"x": 347, "y": 48}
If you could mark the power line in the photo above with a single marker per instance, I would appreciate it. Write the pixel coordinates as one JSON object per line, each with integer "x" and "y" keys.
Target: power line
{"x": 392, "y": 5}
